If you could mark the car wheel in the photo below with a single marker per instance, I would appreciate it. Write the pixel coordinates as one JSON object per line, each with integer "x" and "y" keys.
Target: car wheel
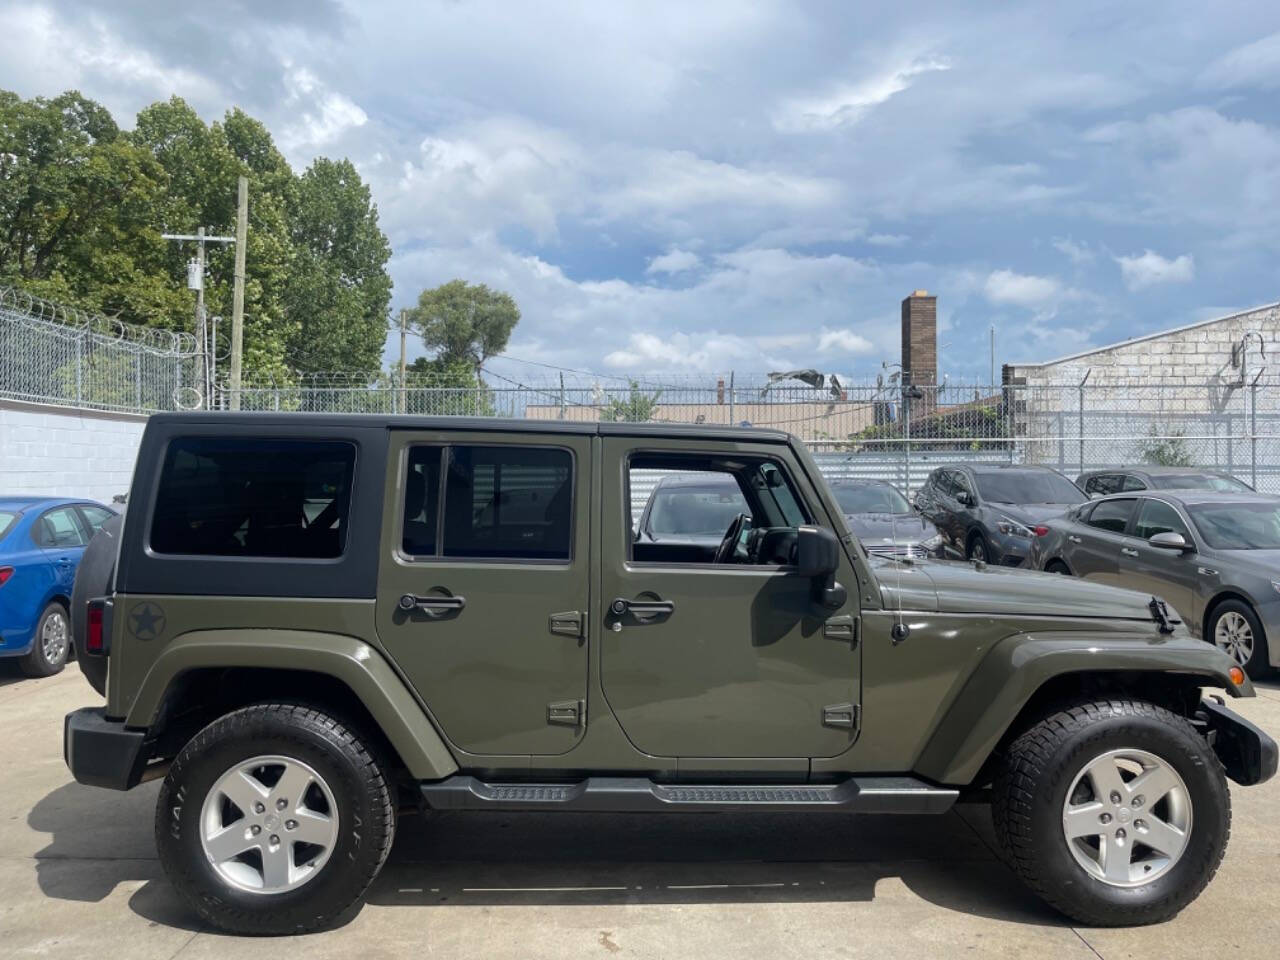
{"x": 977, "y": 548}
{"x": 51, "y": 645}
{"x": 1236, "y": 630}
{"x": 1115, "y": 812}
{"x": 1057, "y": 566}
{"x": 275, "y": 819}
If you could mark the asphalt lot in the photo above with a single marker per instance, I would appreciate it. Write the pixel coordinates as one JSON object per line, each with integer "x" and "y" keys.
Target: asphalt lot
{"x": 79, "y": 877}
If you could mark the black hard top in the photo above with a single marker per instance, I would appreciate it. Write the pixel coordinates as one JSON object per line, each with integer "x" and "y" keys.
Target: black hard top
{"x": 329, "y": 421}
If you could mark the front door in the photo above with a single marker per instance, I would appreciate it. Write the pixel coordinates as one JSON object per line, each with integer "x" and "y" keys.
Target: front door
{"x": 483, "y": 589}
{"x": 1169, "y": 574}
{"x": 734, "y": 658}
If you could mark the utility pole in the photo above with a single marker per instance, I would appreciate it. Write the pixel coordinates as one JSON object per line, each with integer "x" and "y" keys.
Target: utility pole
{"x": 993, "y": 356}
{"x": 237, "y": 296}
{"x": 404, "y": 395}
{"x": 195, "y": 281}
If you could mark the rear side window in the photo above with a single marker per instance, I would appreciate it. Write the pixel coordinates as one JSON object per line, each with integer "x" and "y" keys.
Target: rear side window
{"x": 6, "y": 521}
{"x": 1111, "y": 515}
{"x": 1132, "y": 483}
{"x": 1102, "y": 484}
{"x": 500, "y": 502}
{"x": 95, "y": 517}
{"x": 254, "y": 497}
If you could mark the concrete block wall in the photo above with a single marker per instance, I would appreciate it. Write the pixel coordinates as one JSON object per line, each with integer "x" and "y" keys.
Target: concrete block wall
{"x": 67, "y": 452}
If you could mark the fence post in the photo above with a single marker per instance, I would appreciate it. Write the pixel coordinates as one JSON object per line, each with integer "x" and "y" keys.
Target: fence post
{"x": 1253, "y": 429}
{"x": 79, "y": 370}
{"x": 1080, "y": 408}
{"x": 733, "y": 420}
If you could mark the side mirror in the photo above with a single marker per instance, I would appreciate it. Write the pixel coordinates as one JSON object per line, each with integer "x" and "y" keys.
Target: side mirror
{"x": 818, "y": 558}
{"x": 962, "y": 496}
{"x": 1169, "y": 540}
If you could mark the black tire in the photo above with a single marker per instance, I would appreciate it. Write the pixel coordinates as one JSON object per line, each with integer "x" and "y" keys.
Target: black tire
{"x": 977, "y": 548}
{"x": 364, "y": 797}
{"x": 40, "y": 662}
{"x": 1057, "y": 566}
{"x": 1030, "y": 794}
{"x": 1257, "y": 664}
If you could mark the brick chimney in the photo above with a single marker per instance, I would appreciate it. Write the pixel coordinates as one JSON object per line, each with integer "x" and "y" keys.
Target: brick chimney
{"x": 920, "y": 338}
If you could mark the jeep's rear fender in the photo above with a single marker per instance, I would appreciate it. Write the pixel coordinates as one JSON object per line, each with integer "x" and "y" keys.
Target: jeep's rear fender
{"x": 347, "y": 660}
{"x": 1020, "y": 667}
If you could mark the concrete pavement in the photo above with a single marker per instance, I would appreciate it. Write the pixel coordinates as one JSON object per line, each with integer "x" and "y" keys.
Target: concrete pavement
{"x": 79, "y": 877}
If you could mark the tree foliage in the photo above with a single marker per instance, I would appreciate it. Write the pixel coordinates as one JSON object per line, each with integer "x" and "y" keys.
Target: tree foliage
{"x": 83, "y": 204}
{"x": 1166, "y": 449}
{"x": 636, "y": 407}
{"x": 464, "y": 322}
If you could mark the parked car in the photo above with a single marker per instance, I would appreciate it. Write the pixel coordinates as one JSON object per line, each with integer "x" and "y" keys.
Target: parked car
{"x": 884, "y": 521}
{"x": 692, "y": 508}
{"x": 993, "y": 512}
{"x": 1213, "y": 557}
{"x": 41, "y": 540}
{"x": 296, "y": 675}
{"x": 1104, "y": 482}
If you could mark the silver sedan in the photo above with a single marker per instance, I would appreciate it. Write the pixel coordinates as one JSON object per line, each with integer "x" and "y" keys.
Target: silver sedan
{"x": 1213, "y": 557}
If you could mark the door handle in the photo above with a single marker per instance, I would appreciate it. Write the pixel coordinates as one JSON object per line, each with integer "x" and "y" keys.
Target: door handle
{"x": 432, "y": 604}
{"x": 642, "y": 608}
{"x": 1129, "y": 551}
{"x": 1073, "y": 538}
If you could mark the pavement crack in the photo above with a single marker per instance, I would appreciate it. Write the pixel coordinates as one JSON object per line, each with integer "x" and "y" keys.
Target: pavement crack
{"x": 1086, "y": 943}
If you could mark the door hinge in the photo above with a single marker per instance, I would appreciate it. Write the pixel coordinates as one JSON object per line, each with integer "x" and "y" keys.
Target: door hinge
{"x": 843, "y": 628}
{"x": 841, "y": 715}
{"x": 566, "y": 713}
{"x": 567, "y": 624}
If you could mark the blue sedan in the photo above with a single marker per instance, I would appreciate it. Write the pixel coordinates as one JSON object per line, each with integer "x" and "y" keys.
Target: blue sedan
{"x": 41, "y": 541}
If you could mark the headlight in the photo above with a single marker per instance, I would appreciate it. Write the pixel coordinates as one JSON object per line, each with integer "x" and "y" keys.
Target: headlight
{"x": 936, "y": 541}
{"x": 1275, "y": 585}
{"x": 1012, "y": 528}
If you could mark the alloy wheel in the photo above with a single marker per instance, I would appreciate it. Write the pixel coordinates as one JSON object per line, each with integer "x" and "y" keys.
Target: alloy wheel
{"x": 269, "y": 824}
{"x": 53, "y": 637}
{"x": 1127, "y": 817}
{"x": 1234, "y": 635}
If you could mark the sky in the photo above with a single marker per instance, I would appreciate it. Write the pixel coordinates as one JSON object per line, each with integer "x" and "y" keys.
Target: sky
{"x": 692, "y": 188}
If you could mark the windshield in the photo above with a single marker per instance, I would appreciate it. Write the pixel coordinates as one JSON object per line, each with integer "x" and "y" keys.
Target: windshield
{"x": 695, "y": 511}
{"x": 1238, "y": 526}
{"x": 1028, "y": 486}
{"x": 871, "y": 498}
{"x": 1199, "y": 481}
{"x": 6, "y": 521}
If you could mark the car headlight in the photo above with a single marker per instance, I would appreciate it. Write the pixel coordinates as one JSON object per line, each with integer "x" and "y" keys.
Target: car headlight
{"x": 932, "y": 543}
{"x": 1012, "y": 528}
{"x": 1275, "y": 585}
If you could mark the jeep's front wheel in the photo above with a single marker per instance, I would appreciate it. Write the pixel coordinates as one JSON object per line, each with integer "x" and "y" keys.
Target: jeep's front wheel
{"x": 274, "y": 819}
{"x": 1115, "y": 812}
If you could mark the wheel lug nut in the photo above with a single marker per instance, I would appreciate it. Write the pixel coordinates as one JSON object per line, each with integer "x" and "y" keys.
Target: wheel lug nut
{"x": 258, "y": 808}
{"x": 281, "y": 803}
{"x": 1120, "y": 834}
{"x": 291, "y": 824}
{"x": 275, "y": 840}
{"x": 255, "y": 830}
{"x": 1115, "y": 797}
{"x": 1137, "y": 801}
{"x": 1105, "y": 818}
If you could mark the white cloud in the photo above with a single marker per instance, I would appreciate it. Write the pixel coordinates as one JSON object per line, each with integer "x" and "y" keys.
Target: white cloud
{"x": 888, "y": 239}
{"x": 1255, "y": 64}
{"x": 674, "y": 261}
{"x": 1148, "y": 269}
{"x": 843, "y": 340}
{"x": 1019, "y": 289}
{"x": 848, "y": 103}
{"x": 1076, "y": 252}
{"x": 321, "y": 115}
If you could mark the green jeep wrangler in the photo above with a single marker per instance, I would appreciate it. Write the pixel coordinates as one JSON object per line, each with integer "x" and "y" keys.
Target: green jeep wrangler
{"x": 306, "y": 623}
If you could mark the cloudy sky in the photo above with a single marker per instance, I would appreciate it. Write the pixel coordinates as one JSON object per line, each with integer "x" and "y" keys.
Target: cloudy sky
{"x": 705, "y": 186}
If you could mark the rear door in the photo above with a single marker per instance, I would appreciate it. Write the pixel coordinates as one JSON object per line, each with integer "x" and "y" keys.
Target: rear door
{"x": 1096, "y": 541}
{"x": 727, "y": 660}
{"x": 483, "y": 587}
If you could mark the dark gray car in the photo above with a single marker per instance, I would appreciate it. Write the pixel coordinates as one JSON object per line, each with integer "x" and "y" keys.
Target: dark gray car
{"x": 1213, "y": 557}
{"x": 884, "y": 520}
{"x": 1101, "y": 483}
{"x": 694, "y": 508}
{"x": 993, "y": 512}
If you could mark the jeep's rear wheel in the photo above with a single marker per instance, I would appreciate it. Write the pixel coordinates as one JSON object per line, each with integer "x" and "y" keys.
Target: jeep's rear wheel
{"x": 1116, "y": 812}
{"x": 274, "y": 820}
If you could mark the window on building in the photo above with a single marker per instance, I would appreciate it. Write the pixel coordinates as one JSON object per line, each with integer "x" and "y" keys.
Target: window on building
{"x": 253, "y": 497}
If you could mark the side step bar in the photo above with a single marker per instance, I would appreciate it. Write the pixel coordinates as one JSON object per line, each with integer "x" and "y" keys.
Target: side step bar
{"x": 640, "y": 795}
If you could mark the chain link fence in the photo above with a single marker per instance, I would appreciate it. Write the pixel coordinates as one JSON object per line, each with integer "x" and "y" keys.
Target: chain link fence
{"x": 884, "y": 430}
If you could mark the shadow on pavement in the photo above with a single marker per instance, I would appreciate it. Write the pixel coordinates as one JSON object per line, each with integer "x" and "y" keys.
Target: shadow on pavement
{"x": 9, "y": 672}
{"x": 99, "y": 841}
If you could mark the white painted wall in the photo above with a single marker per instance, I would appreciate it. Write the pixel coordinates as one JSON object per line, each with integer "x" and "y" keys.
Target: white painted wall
{"x": 66, "y": 452}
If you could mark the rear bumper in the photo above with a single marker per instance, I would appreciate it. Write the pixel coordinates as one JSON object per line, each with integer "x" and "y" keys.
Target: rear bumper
{"x": 1249, "y": 755}
{"x": 101, "y": 752}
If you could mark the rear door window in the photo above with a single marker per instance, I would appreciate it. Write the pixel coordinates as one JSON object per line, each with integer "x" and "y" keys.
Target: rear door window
{"x": 60, "y": 528}
{"x": 1111, "y": 515}
{"x": 253, "y": 497}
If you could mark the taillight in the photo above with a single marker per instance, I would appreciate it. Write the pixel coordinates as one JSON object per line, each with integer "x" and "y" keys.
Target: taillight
{"x": 1040, "y": 530}
{"x": 5, "y": 574}
{"x": 95, "y": 641}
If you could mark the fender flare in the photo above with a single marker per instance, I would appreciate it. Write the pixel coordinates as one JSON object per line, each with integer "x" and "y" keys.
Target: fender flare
{"x": 1019, "y": 665}
{"x": 364, "y": 670}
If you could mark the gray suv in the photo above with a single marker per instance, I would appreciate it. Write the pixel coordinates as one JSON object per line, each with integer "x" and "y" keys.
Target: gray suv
{"x": 993, "y": 512}
{"x": 1214, "y": 557}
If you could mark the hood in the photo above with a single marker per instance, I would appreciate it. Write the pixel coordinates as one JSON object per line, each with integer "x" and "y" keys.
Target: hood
{"x": 1032, "y": 513}
{"x": 1263, "y": 562}
{"x": 948, "y": 587}
{"x": 882, "y": 528}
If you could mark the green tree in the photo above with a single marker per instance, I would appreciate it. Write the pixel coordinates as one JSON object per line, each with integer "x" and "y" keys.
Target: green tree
{"x": 438, "y": 387}
{"x": 462, "y": 321}
{"x": 1166, "y": 449}
{"x": 338, "y": 288}
{"x": 636, "y": 407}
